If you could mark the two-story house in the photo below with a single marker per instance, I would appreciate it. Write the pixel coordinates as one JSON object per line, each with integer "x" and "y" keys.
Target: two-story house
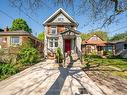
{"x": 61, "y": 31}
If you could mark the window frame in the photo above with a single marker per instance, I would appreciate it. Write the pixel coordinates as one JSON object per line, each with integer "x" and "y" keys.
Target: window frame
{"x": 53, "y": 41}
{"x": 125, "y": 46}
{"x": 53, "y": 28}
{"x": 12, "y": 40}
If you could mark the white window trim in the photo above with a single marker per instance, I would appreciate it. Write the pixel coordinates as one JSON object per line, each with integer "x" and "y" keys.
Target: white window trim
{"x": 13, "y": 44}
{"x": 55, "y": 28}
{"x": 53, "y": 43}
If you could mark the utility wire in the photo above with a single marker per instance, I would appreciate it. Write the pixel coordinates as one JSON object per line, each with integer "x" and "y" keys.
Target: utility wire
{"x": 27, "y": 15}
{"x": 119, "y": 28}
{"x": 6, "y": 14}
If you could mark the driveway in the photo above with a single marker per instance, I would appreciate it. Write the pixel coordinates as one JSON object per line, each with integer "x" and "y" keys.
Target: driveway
{"x": 45, "y": 78}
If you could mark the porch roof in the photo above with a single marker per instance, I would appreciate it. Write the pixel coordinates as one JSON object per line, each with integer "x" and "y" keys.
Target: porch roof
{"x": 71, "y": 30}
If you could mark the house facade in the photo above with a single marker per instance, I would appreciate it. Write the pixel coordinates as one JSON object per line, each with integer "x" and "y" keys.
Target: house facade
{"x": 121, "y": 48}
{"x": 61, "y": 31}
{"x": 97, "y": 46}
{"x": 11, "y": 40}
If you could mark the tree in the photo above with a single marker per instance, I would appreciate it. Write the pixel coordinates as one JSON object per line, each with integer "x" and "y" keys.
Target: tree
{"x": 41, "y": 36}
{"x": 105, "y": 10}
{"x": 20, "y": 24}
{"x": 103, "y": 35}
{"x": 120, "y": 36}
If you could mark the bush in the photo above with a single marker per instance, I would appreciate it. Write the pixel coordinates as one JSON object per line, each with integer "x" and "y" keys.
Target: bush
{"x": 59, "y": 56}
{"x": 28, "y": 54}
{"x": 7, "y": 69}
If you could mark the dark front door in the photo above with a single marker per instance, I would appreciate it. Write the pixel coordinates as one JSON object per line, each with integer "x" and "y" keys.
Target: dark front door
{"x": 67, "y": 45}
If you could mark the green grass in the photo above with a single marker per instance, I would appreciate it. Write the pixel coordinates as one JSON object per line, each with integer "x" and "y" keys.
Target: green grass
{"x": 107, "y": 63}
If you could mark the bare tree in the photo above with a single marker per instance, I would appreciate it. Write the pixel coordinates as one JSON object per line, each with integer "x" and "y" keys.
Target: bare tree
{"x": 96, "y": 9}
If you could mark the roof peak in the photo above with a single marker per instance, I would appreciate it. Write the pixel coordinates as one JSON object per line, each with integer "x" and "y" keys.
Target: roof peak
{"x": 57, "y": 12}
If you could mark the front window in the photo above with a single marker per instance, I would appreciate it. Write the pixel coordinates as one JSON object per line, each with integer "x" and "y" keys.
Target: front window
{"x": 125, "y": 46}
{"x": 56, "y": 43}
{"x": 53, "y": 30}
{"x": 15, "y": 40}
{"x": 53, "y": 42}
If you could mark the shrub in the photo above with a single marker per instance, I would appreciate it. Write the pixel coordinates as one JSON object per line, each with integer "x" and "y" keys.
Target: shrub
{"x": 59, "y": 56}
{"x": 7, "y": 69}
{"x": 28, "y": 54}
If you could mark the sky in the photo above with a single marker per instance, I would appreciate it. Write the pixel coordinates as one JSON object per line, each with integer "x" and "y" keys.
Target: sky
{"x": 41, "y": 14}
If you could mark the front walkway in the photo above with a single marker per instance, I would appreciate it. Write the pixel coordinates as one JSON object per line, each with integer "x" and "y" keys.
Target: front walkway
{"x": 45, "y": 78}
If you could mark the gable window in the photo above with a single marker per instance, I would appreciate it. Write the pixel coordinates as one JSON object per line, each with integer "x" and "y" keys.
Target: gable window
{"x": 53, "y": 30}
{"x": 94, "y": 38}
{"x": 125, "y": 46}
{"x": 15, "y": 40}
{"x": 61, "y": 19}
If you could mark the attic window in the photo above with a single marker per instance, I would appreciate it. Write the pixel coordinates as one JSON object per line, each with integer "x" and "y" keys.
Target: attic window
{"x": 94, "y": 38}
{"x": 61, "y": 19}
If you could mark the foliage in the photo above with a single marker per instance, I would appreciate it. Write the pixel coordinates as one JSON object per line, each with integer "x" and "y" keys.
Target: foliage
{"x": 41, "y": 36}
{"x": 120, "y": 36}
{"x": 28, "y": 54}
{"x": 59, "y": 55}
{"x": 84, "y": 36}
{"x": 7, "y": 69}
{"x": 20, "y": 24}
{"x": 103, "y": 35}
{"x": 88, "y": 60}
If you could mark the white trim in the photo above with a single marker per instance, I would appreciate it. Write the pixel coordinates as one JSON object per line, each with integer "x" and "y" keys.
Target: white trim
{"x": 60, "y": 9}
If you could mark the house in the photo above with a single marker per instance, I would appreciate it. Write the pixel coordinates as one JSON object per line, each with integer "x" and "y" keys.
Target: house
{"x": 61, "y": 31}
{"x": 10, "y": 40}
{"x": 121, "y": 48}
{"x": 96, "y": 45}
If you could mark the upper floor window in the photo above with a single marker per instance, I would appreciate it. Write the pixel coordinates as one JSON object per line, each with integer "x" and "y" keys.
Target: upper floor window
{"x": 61, "y": 19}
{"x": 53, "y": 30}
{"x": 15, "y": 40}
{"x": 125, "y": 46}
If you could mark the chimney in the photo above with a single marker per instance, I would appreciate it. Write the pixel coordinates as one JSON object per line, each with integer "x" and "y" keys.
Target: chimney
{"x": 6, "y": 29}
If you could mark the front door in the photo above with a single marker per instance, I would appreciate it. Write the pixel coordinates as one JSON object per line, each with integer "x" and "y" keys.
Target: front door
{"x": 67, "y": 45}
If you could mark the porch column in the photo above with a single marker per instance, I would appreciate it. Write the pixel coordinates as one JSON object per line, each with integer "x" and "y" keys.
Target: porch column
{"x": 60, "y": 43}
{"x": 78, "y": 44}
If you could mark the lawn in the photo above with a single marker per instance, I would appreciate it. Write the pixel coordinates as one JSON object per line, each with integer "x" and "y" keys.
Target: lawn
{"x": 116, "y": 66}
{"x": 108, "y": 73}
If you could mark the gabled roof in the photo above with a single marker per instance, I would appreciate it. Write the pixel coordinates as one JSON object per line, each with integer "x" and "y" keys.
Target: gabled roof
{"x": 95, "y": 36}
{"x": 60, "y": 10}
{"x": 70, "y": 30}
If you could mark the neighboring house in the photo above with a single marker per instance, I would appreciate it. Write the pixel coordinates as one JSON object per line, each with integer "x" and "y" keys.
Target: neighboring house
{"x": 10, "y": 40}
{"x": 61, "y": 31}
{"x": 121, "y": 48}
{"x": 96, "y": 45}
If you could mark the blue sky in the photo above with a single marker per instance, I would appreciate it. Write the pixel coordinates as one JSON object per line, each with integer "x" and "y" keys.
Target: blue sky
{"x": 43, "y": 13}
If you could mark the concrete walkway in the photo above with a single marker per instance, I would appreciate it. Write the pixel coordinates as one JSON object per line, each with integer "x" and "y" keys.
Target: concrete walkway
{"x": 45, "y": 78}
